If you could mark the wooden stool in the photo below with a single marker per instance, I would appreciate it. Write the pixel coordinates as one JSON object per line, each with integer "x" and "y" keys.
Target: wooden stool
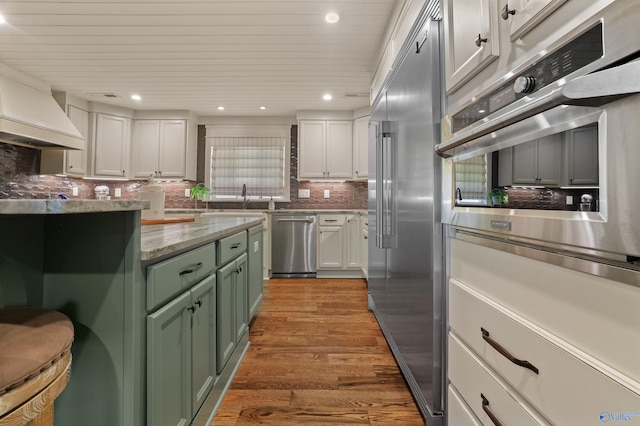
{"x": 35, "y": 364}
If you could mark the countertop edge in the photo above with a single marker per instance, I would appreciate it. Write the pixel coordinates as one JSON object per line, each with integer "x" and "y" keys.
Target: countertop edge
{"x": 184, "y": 240}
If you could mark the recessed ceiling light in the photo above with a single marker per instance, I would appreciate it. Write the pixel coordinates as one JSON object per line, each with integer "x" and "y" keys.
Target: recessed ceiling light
{"x": 263, "y": 107}
{"x": 136, "y": 97}
{"x": 332, "y": 18}
{"x": 327, "y": 97}
{"x": 220, "y": 108}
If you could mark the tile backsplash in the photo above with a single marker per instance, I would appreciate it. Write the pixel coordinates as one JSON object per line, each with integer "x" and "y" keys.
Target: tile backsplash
{"x": 19, "y": 178}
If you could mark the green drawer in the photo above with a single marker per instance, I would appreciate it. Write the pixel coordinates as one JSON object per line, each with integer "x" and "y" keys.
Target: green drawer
{"x": 231, "y": 246}
{"x": 170, "y": 277}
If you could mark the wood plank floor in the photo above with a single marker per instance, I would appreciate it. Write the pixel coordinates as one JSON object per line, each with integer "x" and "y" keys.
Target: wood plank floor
{"x": 317, "y": 357}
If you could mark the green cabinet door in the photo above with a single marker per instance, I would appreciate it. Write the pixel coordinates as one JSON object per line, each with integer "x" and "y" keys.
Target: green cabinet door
{"x": 255, "y": 270}
{"x": 203, "y": 341}
{"x": 169, "y": 364}
{"x": 241, "y": 300}
{"x": 225, "y": 314}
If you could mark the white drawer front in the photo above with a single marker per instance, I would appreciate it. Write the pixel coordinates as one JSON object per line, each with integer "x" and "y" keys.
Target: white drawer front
{"x": 459, "y": 413}
{"x": 473, "y": 380}
{"x": 599, "y": 316}
{"x": 566, "y": 390}
{"x": 331, "y": 219}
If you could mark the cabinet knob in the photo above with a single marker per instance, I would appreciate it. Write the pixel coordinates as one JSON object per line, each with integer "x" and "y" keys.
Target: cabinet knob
{"x": 506, "y": 12}
{"x": 123, "y": 173}
{"x": 199, "y": 303}
{"x": 191, "y": 308}
{"x": 481, "y": 40}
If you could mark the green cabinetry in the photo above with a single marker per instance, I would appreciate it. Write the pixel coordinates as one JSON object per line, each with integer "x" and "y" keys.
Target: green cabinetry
{"x": 181, "y": 355}
{"x": 233, "y": 308}
{"x": 255, "y": 269}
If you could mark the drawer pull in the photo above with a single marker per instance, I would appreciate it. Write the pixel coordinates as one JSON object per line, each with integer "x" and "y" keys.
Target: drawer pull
{"x": 495, "y": 345}
{"x": 235, "y": 246}
{"x": 485, "y": 407}
{"x": 192, "y": 269}
{"x": 330, "y": 220}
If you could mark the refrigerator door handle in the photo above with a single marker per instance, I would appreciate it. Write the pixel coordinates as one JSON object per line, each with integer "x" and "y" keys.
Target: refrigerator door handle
{"x": 379, "y": 186}
{"x": 387, "y": 213}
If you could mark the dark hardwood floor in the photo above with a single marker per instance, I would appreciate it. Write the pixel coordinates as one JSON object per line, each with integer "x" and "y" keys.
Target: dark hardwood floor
{"x": 317, "y": 356}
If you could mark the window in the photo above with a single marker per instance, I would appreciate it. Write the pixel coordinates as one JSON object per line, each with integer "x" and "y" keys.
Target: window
{"x": 471, "y": 178}
{"x": 258, "y": 163}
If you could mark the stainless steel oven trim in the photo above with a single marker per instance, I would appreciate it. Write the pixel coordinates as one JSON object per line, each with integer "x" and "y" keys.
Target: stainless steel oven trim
{"x": 619, "y": 271}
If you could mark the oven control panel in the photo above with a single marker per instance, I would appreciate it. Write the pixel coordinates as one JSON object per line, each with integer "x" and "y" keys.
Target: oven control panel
{"x": 581, "y": 51}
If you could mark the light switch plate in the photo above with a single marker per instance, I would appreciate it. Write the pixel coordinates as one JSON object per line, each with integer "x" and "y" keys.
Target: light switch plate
{"x": 74, "y": 191}
{"x": 117, "y": 192}
{"x": 569, "y": 200}
{"x": 187, "y": 192}
{"x": 326, "y": 193}
{"x": 304, "y": 193}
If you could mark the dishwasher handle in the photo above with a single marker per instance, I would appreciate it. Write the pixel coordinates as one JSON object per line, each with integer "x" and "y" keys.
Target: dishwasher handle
{"x": 308, "y": 220}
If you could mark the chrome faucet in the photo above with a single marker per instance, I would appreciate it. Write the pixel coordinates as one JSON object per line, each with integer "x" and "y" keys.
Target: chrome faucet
{"x": 245, "y": 199}
{"x": 458, "y": 194}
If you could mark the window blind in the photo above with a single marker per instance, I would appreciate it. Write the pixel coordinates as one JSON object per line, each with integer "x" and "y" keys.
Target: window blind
{"x": 471, "y": 178}
{"x": 258, "y": 162}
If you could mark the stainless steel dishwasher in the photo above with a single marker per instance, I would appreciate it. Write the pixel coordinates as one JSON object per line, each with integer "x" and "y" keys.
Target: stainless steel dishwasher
{"x": 293, "y": 245}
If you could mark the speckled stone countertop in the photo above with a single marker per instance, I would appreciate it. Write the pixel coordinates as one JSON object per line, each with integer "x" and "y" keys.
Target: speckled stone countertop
{"x": 58, "y": 206}
{"x": 161, "y": 240}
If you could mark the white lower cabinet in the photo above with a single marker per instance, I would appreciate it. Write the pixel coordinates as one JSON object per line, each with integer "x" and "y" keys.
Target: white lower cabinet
{"x": 536, "y": 340}
{"x": 485, "y": 392}
{"x": 339, "y": 245}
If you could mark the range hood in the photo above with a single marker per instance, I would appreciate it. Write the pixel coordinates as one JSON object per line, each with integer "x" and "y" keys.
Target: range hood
{"x": 31, "y": 117}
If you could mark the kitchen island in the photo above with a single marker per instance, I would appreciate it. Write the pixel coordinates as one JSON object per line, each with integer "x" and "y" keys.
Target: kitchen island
{"x": 91, "y": 260}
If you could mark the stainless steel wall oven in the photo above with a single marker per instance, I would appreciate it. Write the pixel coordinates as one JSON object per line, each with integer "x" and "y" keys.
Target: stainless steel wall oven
{"x": 549, "y": 154}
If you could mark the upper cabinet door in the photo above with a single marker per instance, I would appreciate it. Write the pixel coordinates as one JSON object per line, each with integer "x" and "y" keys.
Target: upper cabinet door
{"x": 523, "y": 15}
{"x": 173, "y": 148}
{"x": 111, "y": 145}
{"x": 361, "y": 148}
{"x": 146, "y": 149}
{"x": 339, "y": 149}
{"x": 77, "y": 159}
{"x": 311, "y": 150}
{"x": 471, "y": 38}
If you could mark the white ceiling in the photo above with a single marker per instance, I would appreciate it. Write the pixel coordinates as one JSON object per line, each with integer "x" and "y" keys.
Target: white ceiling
{"x": 198, "y": 54}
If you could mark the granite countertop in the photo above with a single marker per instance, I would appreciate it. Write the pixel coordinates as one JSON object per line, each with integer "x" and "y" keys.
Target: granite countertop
{"x": 161, "y": 240}
{"x": 58, "y": 206}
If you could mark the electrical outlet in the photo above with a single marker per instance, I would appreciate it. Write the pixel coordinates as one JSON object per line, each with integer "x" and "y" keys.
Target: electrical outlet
{"x": 569, "y": 200}
{"x": 117, "y": 192}
{"x": 326, "y": 193}
{"x": 187, "y": 192}
{"x": 74, "y": 191}
{"x": 304, "y": 193}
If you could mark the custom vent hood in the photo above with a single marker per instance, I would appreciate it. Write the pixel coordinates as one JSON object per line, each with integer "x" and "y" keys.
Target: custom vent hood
{"x": 29, "y": 116}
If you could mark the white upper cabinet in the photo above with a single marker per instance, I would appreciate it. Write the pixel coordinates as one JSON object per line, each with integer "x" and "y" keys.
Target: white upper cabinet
{"x": 361, "y": 148}
{"x": 159, "y": 148}
{"x": 112, "y": 139}
{"x": 471, "y": 38}
{"x": 76, "y": 163}
{"x": 523, "y": 15}
{"x": 325, "y": 149}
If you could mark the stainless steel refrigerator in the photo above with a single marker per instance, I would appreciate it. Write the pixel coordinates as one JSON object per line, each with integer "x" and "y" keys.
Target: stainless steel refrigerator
{"x": 405, "y": 256}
